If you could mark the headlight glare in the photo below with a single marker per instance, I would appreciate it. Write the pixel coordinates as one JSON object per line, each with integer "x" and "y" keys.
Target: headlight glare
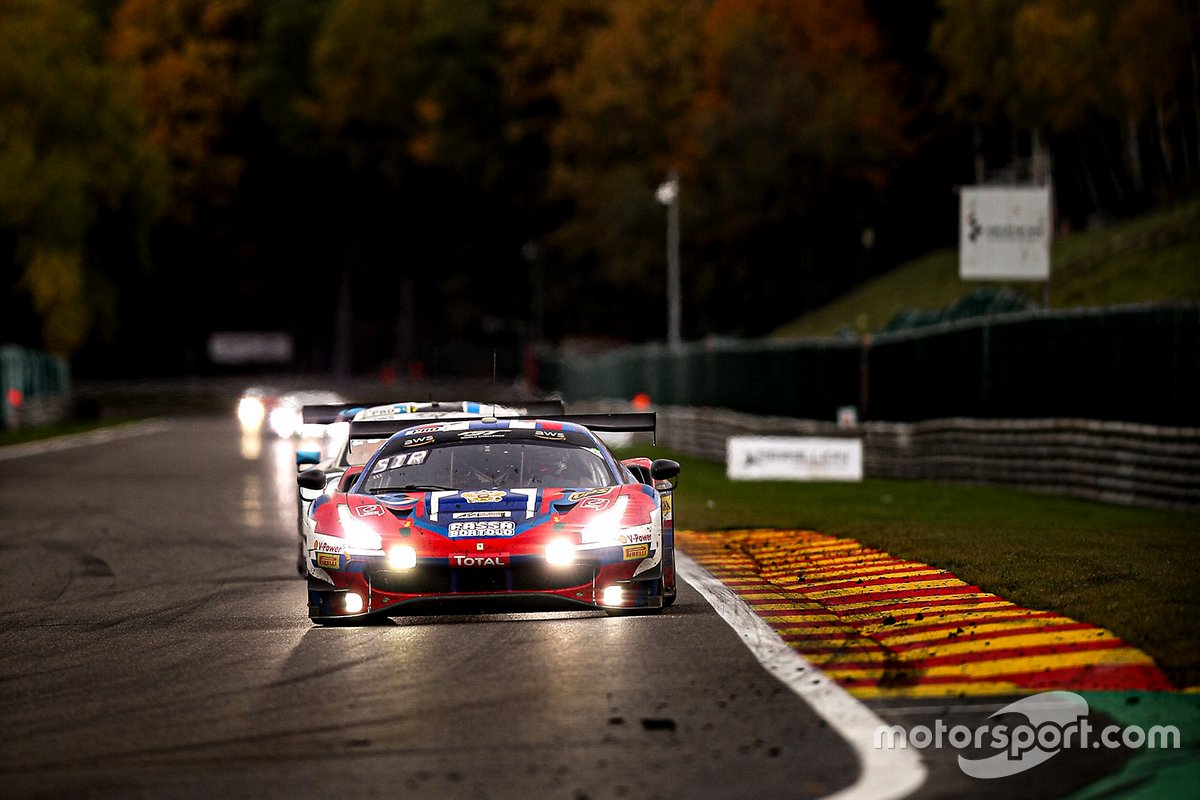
{"x": 560, "y": 553}
{"x": 402, "y": 557}
{"x": 358, "y": 534}
{"x": 250, "y": 413}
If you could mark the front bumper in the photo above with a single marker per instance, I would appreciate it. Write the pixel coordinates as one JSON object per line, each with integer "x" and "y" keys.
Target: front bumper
{"x": 522, "y": 584}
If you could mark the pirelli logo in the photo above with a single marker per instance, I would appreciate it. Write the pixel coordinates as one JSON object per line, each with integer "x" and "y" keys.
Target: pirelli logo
{"x": 328, "y": 560}
{"x": 632, "y": 551}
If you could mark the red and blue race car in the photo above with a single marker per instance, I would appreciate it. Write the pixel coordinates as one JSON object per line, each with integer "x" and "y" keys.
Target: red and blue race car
{"x": 478, "y": 514}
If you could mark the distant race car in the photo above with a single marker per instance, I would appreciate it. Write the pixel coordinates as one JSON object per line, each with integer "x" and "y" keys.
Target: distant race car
{"x": 468, "y": 514}
{"x": 340, "y": 452}
{"x": 261, "y": 407}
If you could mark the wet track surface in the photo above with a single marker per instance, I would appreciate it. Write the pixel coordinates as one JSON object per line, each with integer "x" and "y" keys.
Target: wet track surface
{"x": 154, "y": 642}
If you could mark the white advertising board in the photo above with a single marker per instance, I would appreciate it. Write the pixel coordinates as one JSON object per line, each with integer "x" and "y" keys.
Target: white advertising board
{"x": 254, "y": 347}
{"x": 1004, "y": 233}
{"x": 793, "y": 458}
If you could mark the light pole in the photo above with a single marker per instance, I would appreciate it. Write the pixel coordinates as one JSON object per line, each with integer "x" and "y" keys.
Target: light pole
{"x": 668, "y": 195}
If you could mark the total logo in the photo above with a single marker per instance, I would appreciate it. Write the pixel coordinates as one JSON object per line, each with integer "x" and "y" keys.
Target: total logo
{"x": 482, "y": 560}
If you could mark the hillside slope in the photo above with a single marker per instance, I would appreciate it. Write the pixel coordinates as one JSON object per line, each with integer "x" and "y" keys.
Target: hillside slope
{"x": 1151, "y": 258}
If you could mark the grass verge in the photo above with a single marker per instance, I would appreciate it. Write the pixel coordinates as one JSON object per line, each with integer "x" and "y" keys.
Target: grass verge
{"x": 58, "y": 429}
{"x": 1133, "y": 571}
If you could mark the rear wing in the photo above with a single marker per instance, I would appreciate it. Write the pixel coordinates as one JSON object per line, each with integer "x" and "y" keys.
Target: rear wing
{"x": 326, "y": 414}
{"x": 627, "y": 422}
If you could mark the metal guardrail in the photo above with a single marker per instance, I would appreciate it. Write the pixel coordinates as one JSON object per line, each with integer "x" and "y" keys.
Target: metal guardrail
{"x": 1113, "y": 462}
{"x": 35, "y": 388}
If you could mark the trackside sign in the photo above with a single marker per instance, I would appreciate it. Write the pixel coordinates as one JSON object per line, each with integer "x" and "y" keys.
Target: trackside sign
{"x": 1004, "y": 234}
{"x": 793, "y": 458}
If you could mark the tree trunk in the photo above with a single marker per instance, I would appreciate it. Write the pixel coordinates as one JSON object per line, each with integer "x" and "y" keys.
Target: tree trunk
{"x": 1133, "y": 155}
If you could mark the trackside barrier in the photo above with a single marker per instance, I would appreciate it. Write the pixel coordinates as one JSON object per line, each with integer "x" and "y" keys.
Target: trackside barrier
{"x": 35, "y": 388}
{"x": 1131, "y": 363}
{"x": 1114, "y": 462}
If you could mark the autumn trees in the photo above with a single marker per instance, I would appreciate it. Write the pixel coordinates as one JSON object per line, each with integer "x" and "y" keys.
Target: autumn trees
{"x": 75, "y": 163}
{"x": 260, "y": 157}
{"x": 1107, "y": 88}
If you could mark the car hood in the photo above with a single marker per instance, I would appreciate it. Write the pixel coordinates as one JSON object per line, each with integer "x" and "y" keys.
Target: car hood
{"x": 568, "y": 506}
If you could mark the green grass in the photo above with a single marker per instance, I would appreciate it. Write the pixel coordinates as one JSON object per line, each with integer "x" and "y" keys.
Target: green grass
{"x": 1152, "y": 258}
{"x": 1133, "y": 571}
{"x": 58, "y": 429}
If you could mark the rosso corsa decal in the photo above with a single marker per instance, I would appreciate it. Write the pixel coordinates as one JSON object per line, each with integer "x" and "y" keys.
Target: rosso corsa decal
{"x": 483, "y": 496}
{"x": 630, "y": 552}
{"x": 369, "y": 511}
{"x": 489, "y": 560}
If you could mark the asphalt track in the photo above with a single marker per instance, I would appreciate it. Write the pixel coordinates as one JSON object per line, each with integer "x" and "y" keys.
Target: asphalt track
{"x": 153, "y": 643}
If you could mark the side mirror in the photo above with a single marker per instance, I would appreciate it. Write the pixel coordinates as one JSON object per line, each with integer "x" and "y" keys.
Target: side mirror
{"x": 665, "y": 473}
{"x": 348, "y": 478}
{"x": 307, "y": 457}
{"x": 312, "y": 479}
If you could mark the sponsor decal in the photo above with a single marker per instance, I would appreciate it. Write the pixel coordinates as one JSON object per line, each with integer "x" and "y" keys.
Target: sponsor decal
{"x": 483, "y": 496}
{"x": 595, "y": 503}
{"x": 489, "y": 560}
{"x": 369, "y": 511}
{"x": 328, "y": 560}
{"x": 575, "y": 497}
{"x": 667, "y": 511}
{"x": 631, "y": 552}
{"x": 494, "y": 527}
{"x": 418, "y": 441}
{"x": 380, "y": 465}
{"x": 424, "y": 429}
{"x": 326, "y": 547}
{"x": 557, "y": 436}
{"x": 418, "y": 458}
{"x": 634, "y": 538}
{"x": 489, "y": 434}
{"x": 479, "y": 545}
{"x": 481, "y": 514}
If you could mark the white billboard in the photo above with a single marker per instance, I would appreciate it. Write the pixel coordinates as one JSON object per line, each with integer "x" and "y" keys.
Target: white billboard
{"x": 1004, "y": 233}
{"x": 250, "y": 347}
{"x": 793, "y": 458}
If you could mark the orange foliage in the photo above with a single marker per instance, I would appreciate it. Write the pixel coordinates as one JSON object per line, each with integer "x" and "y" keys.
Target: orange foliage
{"x": 187, "y": 54}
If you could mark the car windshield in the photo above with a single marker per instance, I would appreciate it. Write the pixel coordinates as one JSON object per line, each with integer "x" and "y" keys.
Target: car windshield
{"x": 487, "y": 465}
{"x": 359, "y": 451}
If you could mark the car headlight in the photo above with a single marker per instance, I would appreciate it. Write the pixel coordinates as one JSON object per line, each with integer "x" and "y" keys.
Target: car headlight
{"x": 607, "y": 527}
{"x": 251, "y": 412}
{"x": 560, "y": 552}
{"x": 284, "y": 421}
{"x": 402, "y": 557}
{"x": 358, "y": 534}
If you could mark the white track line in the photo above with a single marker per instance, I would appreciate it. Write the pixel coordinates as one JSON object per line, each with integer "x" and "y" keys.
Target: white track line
{"x": 883, "y": 773}
{"x": 70, "y": 441}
